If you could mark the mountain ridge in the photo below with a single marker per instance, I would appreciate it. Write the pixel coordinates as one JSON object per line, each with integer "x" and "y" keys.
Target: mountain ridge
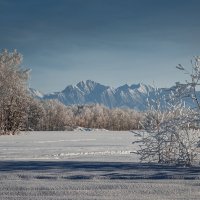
{"x": 90, "y": 92}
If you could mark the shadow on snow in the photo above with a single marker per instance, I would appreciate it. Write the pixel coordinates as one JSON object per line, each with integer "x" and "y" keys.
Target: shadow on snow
{"x": 105, "y": 170}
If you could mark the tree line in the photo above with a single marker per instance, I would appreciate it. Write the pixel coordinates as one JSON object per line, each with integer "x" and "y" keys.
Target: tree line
{"x": 19, "y": 111}
{"x": 51, "y": 115}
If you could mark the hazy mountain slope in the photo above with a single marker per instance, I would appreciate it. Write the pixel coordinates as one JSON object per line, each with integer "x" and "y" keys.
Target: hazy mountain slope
{"x": 90, "y": 92}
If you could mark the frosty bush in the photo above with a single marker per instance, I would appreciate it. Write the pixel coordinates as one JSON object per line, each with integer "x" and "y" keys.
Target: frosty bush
{"x": 170, "y": 133}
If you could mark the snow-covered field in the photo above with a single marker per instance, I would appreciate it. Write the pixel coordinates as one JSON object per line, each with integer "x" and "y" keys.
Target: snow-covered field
{"x": 87, "y": 165}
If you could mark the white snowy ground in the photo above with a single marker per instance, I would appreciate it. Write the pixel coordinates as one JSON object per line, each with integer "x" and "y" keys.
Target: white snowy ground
{"x": 87, "y": 165}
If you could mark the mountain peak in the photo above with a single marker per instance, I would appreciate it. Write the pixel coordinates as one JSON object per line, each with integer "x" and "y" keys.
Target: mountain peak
{"x": 87, "y": 86}
{"x": 123, "y": 87}
{"x": 86, "y": 82}
{"x": 90, "y": 92}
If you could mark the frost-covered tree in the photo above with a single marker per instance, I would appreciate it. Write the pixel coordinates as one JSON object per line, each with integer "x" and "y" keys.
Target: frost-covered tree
{"x": 100, "y": 117}
{"x": 13, "y": 92}
{"x": 152, "y": 141}
{"x": 188, "y": 89}
{"x": 171, "y": 132}
{"x": 185, "y": 139}
{"x": 55, "y": 118}
{"x": 36, "y": 115}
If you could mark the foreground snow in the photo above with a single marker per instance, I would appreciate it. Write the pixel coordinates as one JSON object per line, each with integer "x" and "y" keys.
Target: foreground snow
{"x": 76, "y": 145}
{"x": 87, "y": 165}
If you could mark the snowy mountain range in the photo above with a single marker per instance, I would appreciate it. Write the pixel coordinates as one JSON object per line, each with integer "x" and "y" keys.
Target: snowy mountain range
{"x": 90, "y": 92}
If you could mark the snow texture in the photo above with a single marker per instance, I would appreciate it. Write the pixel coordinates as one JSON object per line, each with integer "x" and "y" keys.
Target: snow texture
{"x": 87, "y": 165}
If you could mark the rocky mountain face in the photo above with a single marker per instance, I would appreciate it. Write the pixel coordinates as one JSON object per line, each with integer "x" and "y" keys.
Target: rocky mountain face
{"x": 89, "y": 92}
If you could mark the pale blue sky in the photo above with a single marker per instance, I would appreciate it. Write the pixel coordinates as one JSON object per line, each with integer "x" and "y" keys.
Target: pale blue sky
{"x": 109, "y": 41}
